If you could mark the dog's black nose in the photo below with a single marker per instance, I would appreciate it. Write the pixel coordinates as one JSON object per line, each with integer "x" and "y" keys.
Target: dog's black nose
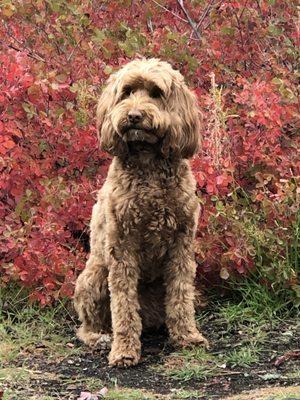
{"x": 134, "y": 116}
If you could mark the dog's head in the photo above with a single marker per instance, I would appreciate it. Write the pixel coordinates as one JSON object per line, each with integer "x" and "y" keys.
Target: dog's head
{"x": 148, "y": 102}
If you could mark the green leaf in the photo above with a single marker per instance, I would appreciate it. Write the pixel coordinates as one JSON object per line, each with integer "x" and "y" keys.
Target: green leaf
{"x": 108, "y": 69}
{"x": 219, "y": 206}
{"x": 228, "y": 30}
{"x": 99, "y": 36}
{"x": 277, "y": 81}
{"x": 274, "y": 30}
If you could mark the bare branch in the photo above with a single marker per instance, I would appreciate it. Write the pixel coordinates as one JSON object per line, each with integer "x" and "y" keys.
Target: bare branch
{"x": 190, "y": 21}
{"x": 171, "y": 12}
{"x": 205, "y": 13}
{"x": 150, "y": 25}
{"x": 30, "y": 52}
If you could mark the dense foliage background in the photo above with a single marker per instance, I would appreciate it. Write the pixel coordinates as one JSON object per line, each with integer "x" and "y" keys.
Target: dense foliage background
{"x": 241, "y": 59}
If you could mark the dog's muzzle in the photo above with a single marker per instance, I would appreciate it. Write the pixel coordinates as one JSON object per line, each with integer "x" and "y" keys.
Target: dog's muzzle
{"x": 140, "y": 134}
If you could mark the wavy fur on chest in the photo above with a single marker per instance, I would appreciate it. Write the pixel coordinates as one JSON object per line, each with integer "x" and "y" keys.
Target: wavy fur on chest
{"x": 148, "y": 205}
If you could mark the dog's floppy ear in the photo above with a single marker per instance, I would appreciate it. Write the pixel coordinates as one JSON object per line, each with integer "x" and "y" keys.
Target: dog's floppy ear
{"x": 109, "y": 140}
{"x": 184, "y": 137}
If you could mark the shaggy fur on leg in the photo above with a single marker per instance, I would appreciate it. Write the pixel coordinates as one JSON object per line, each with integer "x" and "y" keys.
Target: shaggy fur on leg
{"x": 141, "y": 268}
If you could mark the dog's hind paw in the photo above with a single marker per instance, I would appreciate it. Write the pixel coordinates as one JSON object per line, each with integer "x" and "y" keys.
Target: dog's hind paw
{"x": 95, "y": 340}
{"x": 193, "y": 339}
{"x": 103, "y": 342}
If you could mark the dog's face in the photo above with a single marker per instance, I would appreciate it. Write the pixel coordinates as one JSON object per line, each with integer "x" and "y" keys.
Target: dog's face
{"x": 147, "y": 102}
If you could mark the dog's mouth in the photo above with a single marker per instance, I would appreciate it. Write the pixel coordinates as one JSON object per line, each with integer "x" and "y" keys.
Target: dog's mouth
{"x": 136, "y": 133}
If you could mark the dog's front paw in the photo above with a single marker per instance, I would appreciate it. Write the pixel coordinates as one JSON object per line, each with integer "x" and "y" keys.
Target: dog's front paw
{"x": 123, "y": 358}
{"x": 191, "y": 339}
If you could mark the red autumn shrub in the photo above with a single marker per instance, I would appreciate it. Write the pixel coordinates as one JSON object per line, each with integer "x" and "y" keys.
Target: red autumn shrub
{"x": 241, "y": 58}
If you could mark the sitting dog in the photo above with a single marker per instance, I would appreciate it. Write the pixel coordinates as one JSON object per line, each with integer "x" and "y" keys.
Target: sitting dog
{"x": 141, "y": 269}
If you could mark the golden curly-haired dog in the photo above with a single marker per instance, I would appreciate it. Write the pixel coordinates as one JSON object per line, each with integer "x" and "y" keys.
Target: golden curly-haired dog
{"x": 141, "y": 268}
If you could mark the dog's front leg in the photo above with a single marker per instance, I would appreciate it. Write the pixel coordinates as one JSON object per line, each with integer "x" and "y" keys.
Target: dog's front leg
{"x": 179, "y": 278}
{"x": 126, "y": 321}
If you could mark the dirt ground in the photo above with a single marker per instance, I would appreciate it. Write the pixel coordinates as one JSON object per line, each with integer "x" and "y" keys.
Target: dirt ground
{"x": 40, "y": 373}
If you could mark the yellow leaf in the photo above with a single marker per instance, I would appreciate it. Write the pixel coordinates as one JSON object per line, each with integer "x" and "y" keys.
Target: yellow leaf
{"x": 8, "y": 10}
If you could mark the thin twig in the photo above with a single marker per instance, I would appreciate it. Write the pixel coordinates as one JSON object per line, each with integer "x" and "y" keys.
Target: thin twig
{"x": 77, "y": 45}
{"x": 166, "y": 9}
{"x": 205, "y": 13}
{"x": 150, "y": 25}
{"x": 30, "y": 52}
{"x": 73, "y": 50}
{"x": 58, "y": 49}
{"x": 190, "y": 21}
{"x": 241, "y": 36}
{"x": 243, "y": 10}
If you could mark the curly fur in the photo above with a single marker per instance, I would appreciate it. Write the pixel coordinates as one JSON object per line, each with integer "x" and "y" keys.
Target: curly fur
{"x": 141, "y": 268}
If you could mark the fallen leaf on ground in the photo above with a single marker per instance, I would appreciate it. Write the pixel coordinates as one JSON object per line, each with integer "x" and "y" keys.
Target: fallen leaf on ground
{"x": 87, "y": 396}
{"x": 103, "y": 391}
{"x": 270, "y": 377}
{"x": 290, "y": 354}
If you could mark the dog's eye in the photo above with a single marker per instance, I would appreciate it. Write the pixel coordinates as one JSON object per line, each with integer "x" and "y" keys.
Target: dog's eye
{"x": 156, "y": 92}
{"x": 127, "y": 91}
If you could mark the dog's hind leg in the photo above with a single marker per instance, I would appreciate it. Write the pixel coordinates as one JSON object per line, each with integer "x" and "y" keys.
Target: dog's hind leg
{"x": 91, "y": 298}
{"x": 91, "y": 301}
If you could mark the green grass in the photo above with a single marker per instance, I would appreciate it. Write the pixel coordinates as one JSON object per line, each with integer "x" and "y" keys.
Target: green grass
{"x": 243, "y": 357}
{"x": 186, "y": 394}
{"x": 196, "y": 353}
{"x": 237, "y": 314}
{"x": 194, "y": 363}
{"x": 90, "y": 384}
{"x": 293, "y": 374}
{"x": 251, "y": 327}
{"x": 253, "y": 312}
{"x": 190, "y": 371}
{"x": 262, "y": 302}
{"x": 128, "y": 394}
{"x": 256, "y": 304}
{"x": 24, "y": 326}
{"x": 15, "y": 375}
{"x": 197, "y": 363}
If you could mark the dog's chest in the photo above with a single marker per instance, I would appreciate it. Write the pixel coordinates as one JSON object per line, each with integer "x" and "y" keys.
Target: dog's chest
{"x": 151, "y": 214}
{"x": 148, "y": 210}
{"x": 151, "y": 222}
